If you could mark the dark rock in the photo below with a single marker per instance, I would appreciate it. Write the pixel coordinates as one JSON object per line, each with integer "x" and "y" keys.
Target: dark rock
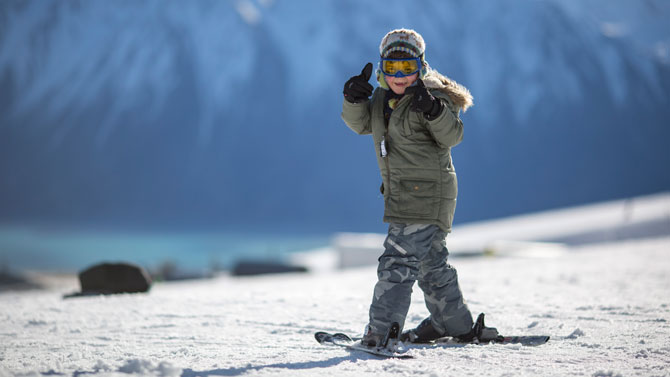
{"x": 109, "y": 278}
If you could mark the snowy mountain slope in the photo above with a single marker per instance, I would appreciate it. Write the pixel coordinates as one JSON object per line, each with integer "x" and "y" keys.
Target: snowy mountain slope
{"x": 185, "y": 114}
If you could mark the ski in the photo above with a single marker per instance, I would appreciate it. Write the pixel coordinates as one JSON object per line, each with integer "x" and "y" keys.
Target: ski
{"x": 391, "y": 347}
{"x": 524, "y": 340}
{"x": 488, "y": 335}
{"x": 350, "y": 344}
{"x": 354, "y": 344}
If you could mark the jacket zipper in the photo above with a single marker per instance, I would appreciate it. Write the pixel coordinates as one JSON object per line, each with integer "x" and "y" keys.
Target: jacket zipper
{"x": 386, "y": 158}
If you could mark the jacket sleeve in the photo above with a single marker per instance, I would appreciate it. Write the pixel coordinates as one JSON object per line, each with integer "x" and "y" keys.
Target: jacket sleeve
{"x": 447, "y": 128}
{"x": 357, "y": 116}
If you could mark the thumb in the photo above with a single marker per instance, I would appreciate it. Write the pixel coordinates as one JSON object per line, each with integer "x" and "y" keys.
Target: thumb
{"x": 367, "y": 71}
{"x": 415, "y": 88}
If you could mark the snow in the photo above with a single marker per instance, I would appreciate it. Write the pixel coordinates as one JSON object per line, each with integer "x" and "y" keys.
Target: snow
{"x": 605, "y": 305}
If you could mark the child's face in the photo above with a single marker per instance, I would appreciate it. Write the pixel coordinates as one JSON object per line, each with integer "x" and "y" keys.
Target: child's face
{"x": 399, "y": 84}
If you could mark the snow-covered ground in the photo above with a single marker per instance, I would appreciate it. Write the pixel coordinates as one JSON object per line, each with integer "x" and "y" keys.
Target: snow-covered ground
{"x": 606, "y": 306}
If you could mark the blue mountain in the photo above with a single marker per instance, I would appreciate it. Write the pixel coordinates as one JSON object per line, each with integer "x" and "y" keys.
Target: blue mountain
{"x": 226, "y": 114}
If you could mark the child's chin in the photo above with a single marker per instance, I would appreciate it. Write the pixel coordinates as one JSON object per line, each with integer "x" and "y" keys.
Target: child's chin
{"x": 398, "y": 89}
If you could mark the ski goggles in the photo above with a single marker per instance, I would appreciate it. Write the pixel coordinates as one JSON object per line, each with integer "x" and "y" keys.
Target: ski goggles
{"x": 400, "y": 67}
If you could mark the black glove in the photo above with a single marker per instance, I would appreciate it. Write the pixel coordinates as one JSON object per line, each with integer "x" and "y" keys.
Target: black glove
{"x": 357, "y": 88}
{"x": 423, "y": 101}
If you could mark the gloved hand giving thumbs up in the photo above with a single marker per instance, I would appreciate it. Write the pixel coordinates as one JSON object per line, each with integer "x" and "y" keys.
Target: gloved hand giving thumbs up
{"x": 357, "y": 88}
{"x": 423, "y": 101}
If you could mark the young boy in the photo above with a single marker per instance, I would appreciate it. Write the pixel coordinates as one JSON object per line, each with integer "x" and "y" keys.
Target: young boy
{"x": 414, "y": 120}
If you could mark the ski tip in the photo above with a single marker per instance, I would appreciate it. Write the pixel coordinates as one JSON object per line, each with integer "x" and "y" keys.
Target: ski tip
{"x": 322, "y": 336}
{"x": 342, "y": 336}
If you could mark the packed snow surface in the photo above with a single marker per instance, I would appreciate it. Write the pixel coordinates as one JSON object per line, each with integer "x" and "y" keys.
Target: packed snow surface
{"x": 606, "y": 307}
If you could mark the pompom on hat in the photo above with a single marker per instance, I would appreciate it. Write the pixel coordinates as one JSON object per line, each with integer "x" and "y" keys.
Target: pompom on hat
{"x": 403, "y": 40}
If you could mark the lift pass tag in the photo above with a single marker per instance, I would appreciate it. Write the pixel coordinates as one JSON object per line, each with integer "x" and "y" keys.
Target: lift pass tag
{"x": 382, "y": 147}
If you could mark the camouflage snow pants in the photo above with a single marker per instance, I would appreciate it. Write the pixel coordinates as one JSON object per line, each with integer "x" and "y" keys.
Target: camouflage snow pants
{"x": 418, "y": 252}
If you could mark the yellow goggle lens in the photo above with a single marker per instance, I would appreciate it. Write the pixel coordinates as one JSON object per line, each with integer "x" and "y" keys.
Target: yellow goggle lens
{"x": 407, "y": 67}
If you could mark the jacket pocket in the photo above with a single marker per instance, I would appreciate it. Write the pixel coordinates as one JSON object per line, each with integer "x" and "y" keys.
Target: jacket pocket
{"x": 418, "y": 197}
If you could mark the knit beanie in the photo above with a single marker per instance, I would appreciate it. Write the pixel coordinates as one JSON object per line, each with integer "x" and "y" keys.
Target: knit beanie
{"x": 404, "y": 40}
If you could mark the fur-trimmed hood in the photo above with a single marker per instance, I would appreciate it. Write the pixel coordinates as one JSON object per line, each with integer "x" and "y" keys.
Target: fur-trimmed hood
{"x": 458, "y": 94}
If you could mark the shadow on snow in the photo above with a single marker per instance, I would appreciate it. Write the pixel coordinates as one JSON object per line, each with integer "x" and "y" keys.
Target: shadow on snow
{"x": 290, "y": 366}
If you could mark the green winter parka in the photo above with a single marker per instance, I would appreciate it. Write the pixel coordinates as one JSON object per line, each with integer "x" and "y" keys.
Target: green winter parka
{"x": 419, "y": 179}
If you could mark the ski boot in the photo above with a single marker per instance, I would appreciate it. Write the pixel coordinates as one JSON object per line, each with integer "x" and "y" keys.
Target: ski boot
{"x": 389, "y": 341}
{"x": 480, "y": 333}
{"x": 371, "y": 339}
{"x": 426, "y": 333}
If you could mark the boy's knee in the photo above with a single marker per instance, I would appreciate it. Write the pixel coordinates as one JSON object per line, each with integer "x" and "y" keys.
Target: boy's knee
{"x": 397, "y": 273}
